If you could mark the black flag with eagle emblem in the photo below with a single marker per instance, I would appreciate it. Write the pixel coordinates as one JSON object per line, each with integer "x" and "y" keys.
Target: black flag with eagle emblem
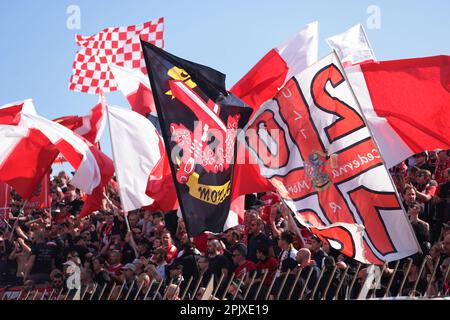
{"x": 199, "y": 121}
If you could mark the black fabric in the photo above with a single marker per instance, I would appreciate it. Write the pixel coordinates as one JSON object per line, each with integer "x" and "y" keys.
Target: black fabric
{"x": 44, "y": 256}
{"x": 254, "y": 243}
{"x": 204, "y": 192}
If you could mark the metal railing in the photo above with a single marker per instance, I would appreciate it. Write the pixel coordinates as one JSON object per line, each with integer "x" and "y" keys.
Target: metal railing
{"x": 331, "y": 283}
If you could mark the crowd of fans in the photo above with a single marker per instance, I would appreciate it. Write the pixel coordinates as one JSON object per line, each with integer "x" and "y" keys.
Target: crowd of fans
{"x": 264, "y": 258}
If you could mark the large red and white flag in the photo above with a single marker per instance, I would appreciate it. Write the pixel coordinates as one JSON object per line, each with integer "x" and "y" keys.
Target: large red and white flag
{"x": 120, "y": 46}
{"x": 41, "y": 197}
{"x": 261, "y": 83}
{"x": 135, "y": 86}
{"x": 406, "y": 103}
{"x": 139, "y": 156}
{"x": 352, "y": 46}
{"x": 30, "y": 143}
{"x": 5, "y": 200}
{"x": 264, "y": 80}
{"x": 314, "y": 147}
{"x": 90, "y": 126}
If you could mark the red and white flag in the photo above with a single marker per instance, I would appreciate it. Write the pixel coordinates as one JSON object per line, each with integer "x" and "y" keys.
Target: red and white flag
{"x": 30, "y": 143}
{"x": 138, "y": 152}
{"x": 406, "y": 104}
{"x": 264, "y": 80}
{"x": 120, "y": 46}
{"x": 90, "y": 126}
{"x": 316, "y": 150}
{"x": 352, "y": 46}
{"x": 135, "y": 86}
{"x": 5, "y": 200}
{"x": 261, "y": 83}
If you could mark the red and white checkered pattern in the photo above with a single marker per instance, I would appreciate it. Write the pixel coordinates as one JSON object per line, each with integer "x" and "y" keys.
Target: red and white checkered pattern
{"x": 120, "y": 46}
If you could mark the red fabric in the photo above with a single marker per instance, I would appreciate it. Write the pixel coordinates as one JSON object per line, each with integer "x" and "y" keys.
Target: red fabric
{"x": 238, "y": 206}
{"x": 441, "y": 166}
{"x": 172, "y": 253}
{"x": 201, "y": 242}
{"x": 160, "y": 186}
{"x": 115, "y": 268}
{"x": 11, "y": 115}
{"x": 247, "y": 177}
{"x": 94, "y": 201}
{"x": 245, "y": 268}
{"x": 271, "y": 264}
{"x": 141, "y": 101}
{"x": 414, "y": 97}
{"x": 28, "y": 162}
{"x": 42, "y": 197}
{"x": 261, "y": 83}
{"x": 5, "y": 200}
{"x": 271, "y": 198}
{"x": 95, "y": 118}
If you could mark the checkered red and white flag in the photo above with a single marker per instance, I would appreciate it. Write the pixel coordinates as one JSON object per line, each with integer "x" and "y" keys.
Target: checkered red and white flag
{"x": 120, "y": 46}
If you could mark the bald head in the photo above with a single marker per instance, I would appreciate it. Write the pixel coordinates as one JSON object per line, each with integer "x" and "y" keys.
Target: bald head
{"x": 304, "y": 256}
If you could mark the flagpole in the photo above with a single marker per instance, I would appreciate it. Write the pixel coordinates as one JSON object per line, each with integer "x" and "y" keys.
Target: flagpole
{"x": 368, "y": 42}
{"x": 125, "y": 213}
{"x": 363, "y": 116}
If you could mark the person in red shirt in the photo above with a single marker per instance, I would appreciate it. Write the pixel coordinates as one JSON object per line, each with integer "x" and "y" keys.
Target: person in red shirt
{"x": 266, "y": 262}
{"x": 169, "y": 247}
{"x": 243, "y": 266}
{"x": 426, "y": 188}
{"x": 115, "y": 265}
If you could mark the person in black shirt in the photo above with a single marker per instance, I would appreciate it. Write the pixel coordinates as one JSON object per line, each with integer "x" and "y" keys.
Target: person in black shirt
{"x": 233, "y": 242}
{"x": 256, "y": 239}
{"x": 421, "y": 162}
{"x": 6, "y": 247}
{"x": 421, "y": 228}
{"x": 101, "y": 275}
{"x": 318, "y": 254}
{"x": 42, "y": 259}
{"x": 72, "y": 201}
{"x": 218, "y": 263}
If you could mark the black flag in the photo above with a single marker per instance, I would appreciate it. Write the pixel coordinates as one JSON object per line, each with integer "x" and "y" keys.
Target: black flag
{"x": 199, "y": 121}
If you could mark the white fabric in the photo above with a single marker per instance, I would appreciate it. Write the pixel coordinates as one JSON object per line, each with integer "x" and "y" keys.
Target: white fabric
{"x": 135, "y": 145}
{"x": 87, "y": 176}
{"x": 352, "y": 46}
{"x": 127, "y": 79}
{"x": 301, "y": 50}
{"x": 392, "y": 148}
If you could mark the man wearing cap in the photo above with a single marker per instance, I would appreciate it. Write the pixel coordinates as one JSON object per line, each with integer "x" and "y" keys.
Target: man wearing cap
{"x": 129, "y": 277}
